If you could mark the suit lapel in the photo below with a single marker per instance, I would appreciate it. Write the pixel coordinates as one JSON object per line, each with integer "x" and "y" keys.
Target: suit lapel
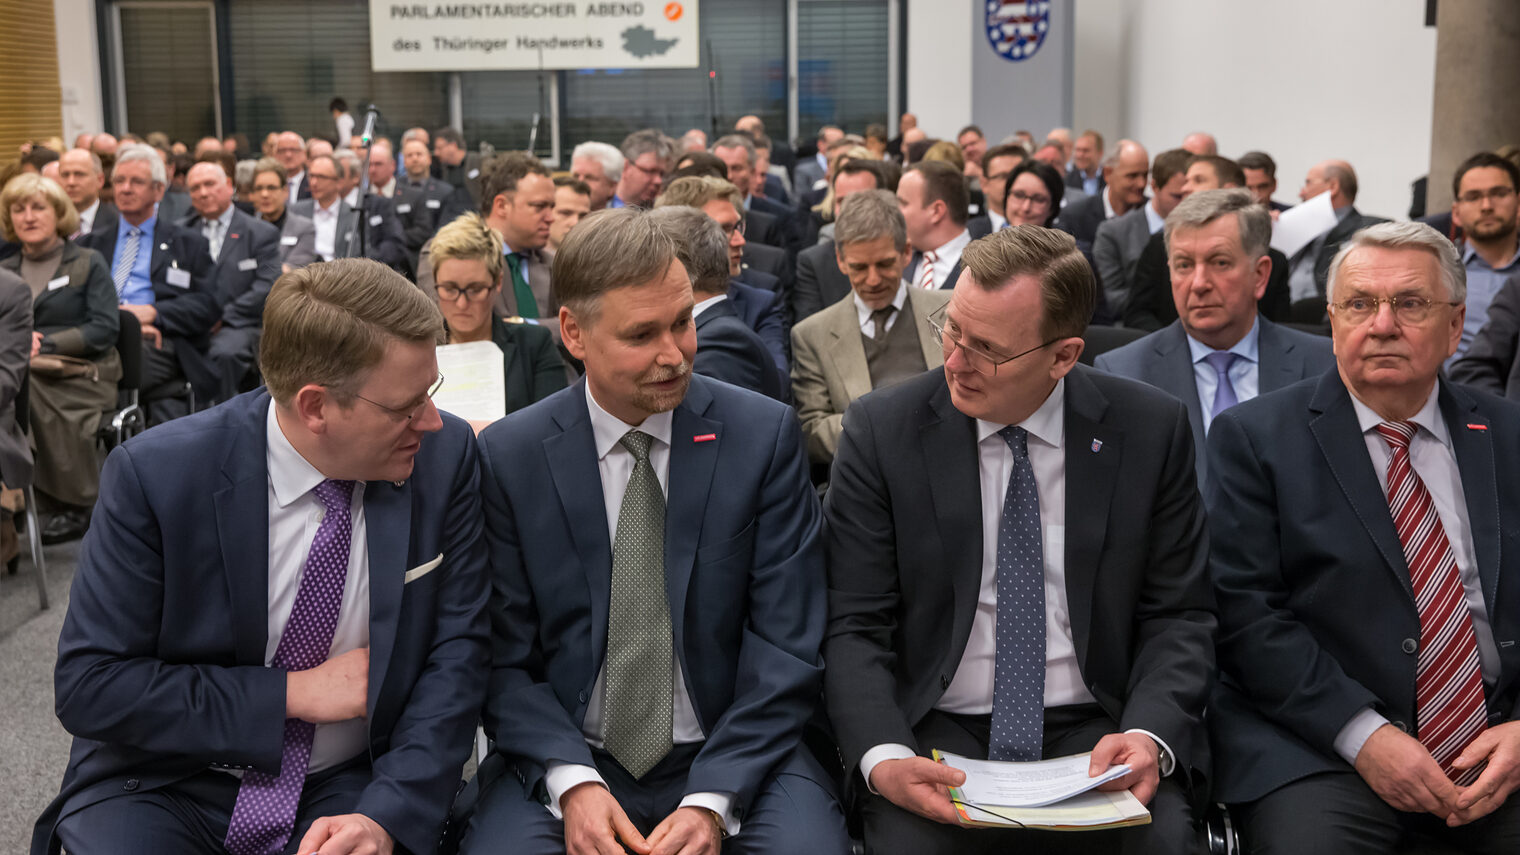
{"x": 948, "y": 440}
{"x": 934, "y": 355}
{"x": 161, "y": 249}
{"x": 242, "y": 525}
{"x": 846, "y": 350}
{"x": 1175, "y": 361}
{"x": 1474, "y": 450}
{"x": 1093, "y": 453}
{"x": 688, "y": 483}
{"x": 388, "y": 522}
{"x": 1334, "y": 425}
{"x": 1281, "y": 363}
{"x": 572, "y": 459}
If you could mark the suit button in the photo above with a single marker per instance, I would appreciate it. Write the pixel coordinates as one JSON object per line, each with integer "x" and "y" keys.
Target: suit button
{"x": 581, "y": 697}
{"x": 130, "y": 785}
{"x": 1401, "y": 726}
{"x": 944, "y": 682}
{"x": 1410, "y": 645}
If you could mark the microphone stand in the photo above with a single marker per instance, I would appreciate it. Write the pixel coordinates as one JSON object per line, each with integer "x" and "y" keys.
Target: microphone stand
{"x": 371, "y": 113}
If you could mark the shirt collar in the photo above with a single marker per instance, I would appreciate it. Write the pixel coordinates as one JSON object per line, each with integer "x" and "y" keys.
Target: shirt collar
{"x": 1153, "y": 219}
{"x": 1108, "y": 207}
{"x": 290, "y": 475}
{"x": 1246, "y": 348}
{"x": 123, "y": 227}
{"x": 698, "y": 309}
{"x": 337, "y": 205}
{"x": 1342, "y": 213}
{"x": 1044, "y": 424}
{"x": 1428, "y": 417}
{"x": 226, "y": 218}
{"x": 863, "y": 312}
{"x": 90, "y": 212}
{"x": 954, "y": 245}
{"x": 1469, "y": 252}
{"x": 608, "y": 429}
{"x": 998, "y": 220}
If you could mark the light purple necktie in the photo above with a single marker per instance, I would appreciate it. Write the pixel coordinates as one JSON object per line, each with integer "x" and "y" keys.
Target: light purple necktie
{"x": 265, "y": 813}
{"x": 1224, "y": 393}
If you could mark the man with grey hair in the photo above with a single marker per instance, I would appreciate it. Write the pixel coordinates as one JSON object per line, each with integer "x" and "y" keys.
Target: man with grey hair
{"x": 163, "y": 277}
{"x": 601, "y": 166}
{"x": 876, "y": 336}
{"x": 1220, "y": 350}
{"x": 1309, "y": 268}
{"x": 341, "y": 233}
{"x": 766, "y": 221}
{"x": 727, "y": 349}
{"x": 1382, "y": 488}
{"x": 645, "y": 158}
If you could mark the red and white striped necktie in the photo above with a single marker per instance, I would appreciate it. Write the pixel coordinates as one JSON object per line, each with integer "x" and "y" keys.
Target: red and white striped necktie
{"x": 1449, "y": 706}
{"x": 926, "y": 270}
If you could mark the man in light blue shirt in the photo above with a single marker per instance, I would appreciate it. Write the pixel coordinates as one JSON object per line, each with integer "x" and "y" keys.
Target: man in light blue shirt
{"x": 1485, "y": 206}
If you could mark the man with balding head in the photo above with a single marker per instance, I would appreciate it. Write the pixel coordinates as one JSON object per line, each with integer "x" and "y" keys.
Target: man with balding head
{"x": 1309, "y": 266}
{"x": 810, "y": 172}
{"x": 1124, "y": 174}
{"x": 1118, "y": 242}
{"x": 781, "y": 153}
{"x": 103, "y": 144}
{"x": 1062, "y": 136}
{"x": 82, "y": 177}
{"x": 1199, "y": 142}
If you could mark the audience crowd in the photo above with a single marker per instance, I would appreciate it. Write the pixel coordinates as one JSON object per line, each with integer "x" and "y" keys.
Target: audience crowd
{"x": 942, "y": 466}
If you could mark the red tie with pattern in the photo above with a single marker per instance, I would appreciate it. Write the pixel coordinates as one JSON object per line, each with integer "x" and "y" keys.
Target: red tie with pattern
{"x": 926, "y": 270}
{"x": 1449, "y": 706}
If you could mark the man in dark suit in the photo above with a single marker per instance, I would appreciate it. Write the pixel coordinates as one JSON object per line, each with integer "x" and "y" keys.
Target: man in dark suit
{"x": 997, "y": 164}
{"x": 737, "y": 151}
{"x": 298, "y": 235}
{"x": 290, "y": 151}
{"x": 1366, "y": 601}
{"x": 1016, "y": 481}
{"x": 655, "y": 687}
{"x": 1085, "y": 172}
{"x": 1308, "y": 269}
{"x": 727, "y": 349}
{"x": 338, "y": 233}
{"x": 460, "y": 169}
{"x": 163, "y": 276}
{"x": 764, "y": 258}
{"x": 1261, "y": 178}
{"x": 1150, "y": 306}
{"x": 246, "y": 261}
{"x": 82, "y": 176}
{"x": 932, "y": 198}
{"x": 1119, "y": 242}
{"x": 1492, "y": 361}
{"x": 819, "y": 281}
{"x": 813, "y": 168}
{"x": 419, "y": 199}
{"x": 257, "y": 656}
{"x": 1220, "y": 351}
{"x": 1124, "y": 175}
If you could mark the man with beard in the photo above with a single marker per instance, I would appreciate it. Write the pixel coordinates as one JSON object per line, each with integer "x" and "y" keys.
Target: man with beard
{"x": 1484, "y": 205}
{"x": 651, "y": 680}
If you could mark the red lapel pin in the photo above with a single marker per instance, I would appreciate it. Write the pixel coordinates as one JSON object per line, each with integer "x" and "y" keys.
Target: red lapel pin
{"x": 706, "y": 437}
{"x": 233, "y": 236}
{"x": 1471, "y": 426}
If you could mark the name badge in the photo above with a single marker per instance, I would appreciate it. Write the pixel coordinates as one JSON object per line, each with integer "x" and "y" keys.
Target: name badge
{"x": 178, "y": 278}
{"x": 474, "y": 173}
{"x": 376, "y": 220}
{"x": 248, "y": 264}
{"x": 55, "y": 284}
{"x": 403, "y": 209}
{"x": 287, "y": 240}
{"x": 434, "y": 204}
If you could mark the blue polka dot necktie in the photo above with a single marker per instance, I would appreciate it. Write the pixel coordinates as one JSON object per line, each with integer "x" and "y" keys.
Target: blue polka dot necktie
{"x": 1018, "y": 685}
{"x": 265, "y": 812}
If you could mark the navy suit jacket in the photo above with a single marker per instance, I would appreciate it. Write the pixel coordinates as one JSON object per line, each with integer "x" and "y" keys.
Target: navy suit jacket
{"x": 246, "y": 269}
{"x": 1162, "y": 359}
{"x": 728, "y": 350}
{"x": 1081, "y": 221}
{"x": 760, "y": 309}
{"x": 161, "y": 670}
{"x": 1315, "y": 601}
{"x": 743, "y": 571}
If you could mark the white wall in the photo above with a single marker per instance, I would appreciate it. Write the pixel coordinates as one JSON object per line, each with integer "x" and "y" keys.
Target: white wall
{"x": 939, "y": 64}
{"x": 78, "y": 67}
{"x": 1303, "y": 80}
{"x": 1100, "y": 56}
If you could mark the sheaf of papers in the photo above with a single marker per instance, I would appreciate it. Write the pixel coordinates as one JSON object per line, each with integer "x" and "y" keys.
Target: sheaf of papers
{"x": 1300, "y": 224}
{"x": 474, "y": 385}
{"x": 1052, "y": 794}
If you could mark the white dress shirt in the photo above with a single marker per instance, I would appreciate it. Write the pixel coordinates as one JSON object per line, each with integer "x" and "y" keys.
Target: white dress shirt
{"x": 1108, "y": 206}
{"x": 863, "y": 312}
{"x": 1432, "y": 458}
{"x": 1244, "y": 373}
{"x": 1153, "y": 219}
{"x": 326, "y": 222}
{"x": 87, "y": 218}
{"x": 970, "y": 690}
{"x": 615, "y": 463}
{"x": 295, "y": 187}
{"x": 388, "y": 189}
{"x": 946, "y": 256}
{"x": 215, "y": 231}
{"x": 295, "y": 513}
{"x": 999, "y": 222}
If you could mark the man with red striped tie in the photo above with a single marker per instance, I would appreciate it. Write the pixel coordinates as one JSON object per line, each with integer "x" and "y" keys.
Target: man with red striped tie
{"x": 1369, "y": 587}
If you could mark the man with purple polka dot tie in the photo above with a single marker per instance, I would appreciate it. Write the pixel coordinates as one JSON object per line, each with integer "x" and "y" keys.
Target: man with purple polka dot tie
{"x": 1016, "y": 570}
{"x": 277, "y": 635}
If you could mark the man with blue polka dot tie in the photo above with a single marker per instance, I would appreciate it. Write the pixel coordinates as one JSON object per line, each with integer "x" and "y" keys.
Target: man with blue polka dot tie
{"x": 1016, "y": 569}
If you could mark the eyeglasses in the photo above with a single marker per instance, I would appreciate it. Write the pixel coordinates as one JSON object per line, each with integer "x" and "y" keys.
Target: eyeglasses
{"x": 408, "y": 415}
{"x": 452, "y": 292}
{"x": 732, "y": 229}
{"x": 316, "y": 175}
{"x": 1494, "y": 194}
{"x": 647, "y": 170}
{"x": 1037, "y": 201}
{"x": 1407, "y": 308}
{"x": 981, "y": 361}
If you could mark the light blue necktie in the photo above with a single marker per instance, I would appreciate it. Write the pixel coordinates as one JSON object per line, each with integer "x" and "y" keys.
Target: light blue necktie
{"x": 1224, "y": 393}
{"x": 126, "y": 259}
{"x": 1018, "y": 685}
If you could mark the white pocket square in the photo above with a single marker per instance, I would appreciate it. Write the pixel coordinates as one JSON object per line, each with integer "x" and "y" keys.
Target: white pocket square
{"x": 421, "y": 570}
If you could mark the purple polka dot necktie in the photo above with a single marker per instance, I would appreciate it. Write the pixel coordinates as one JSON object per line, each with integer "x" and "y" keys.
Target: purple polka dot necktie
{"x": 265, "y": 813}
{"x": 1018, "y": 682}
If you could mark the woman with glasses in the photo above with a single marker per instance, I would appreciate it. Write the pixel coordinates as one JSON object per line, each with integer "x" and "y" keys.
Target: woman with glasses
{"x": 467, "y": 270}
{"x": 1034, "y": 195}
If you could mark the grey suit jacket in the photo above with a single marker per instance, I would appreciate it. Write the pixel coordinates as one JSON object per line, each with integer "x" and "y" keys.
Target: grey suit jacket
{"x": 1116, "y": 249}
{"x": 829, "y": 365}
{"x": 1163, "y": 360}
{"x": 298, "y": 240}
{"x": 808, "y": 174}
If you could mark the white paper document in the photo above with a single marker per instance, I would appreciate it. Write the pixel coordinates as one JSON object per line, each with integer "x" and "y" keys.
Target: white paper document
{"x": 1034, "y": 784}
{"x": 1300, "y": 224}
{"x": 474, "y": 384}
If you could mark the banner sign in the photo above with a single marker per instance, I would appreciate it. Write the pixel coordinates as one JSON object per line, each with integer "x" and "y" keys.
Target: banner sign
{"x": 445, "y": 36}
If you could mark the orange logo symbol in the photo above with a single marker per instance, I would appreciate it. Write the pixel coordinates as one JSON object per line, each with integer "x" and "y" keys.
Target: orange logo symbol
{"x": 673, "y": 11}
